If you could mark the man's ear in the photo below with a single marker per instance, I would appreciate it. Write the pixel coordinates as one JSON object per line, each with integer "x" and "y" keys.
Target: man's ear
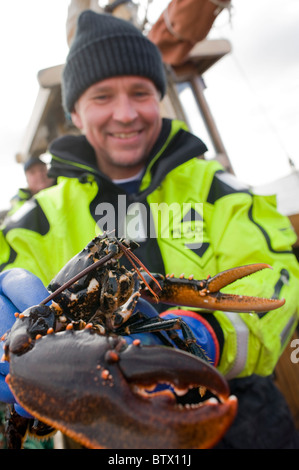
{"x": 76, "y": 120}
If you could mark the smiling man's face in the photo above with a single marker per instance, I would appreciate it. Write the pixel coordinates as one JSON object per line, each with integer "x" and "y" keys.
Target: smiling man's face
{"x": 120, "y": 118}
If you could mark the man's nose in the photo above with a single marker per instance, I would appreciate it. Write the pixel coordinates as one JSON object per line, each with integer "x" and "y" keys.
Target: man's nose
{"x": 124, "y": 110}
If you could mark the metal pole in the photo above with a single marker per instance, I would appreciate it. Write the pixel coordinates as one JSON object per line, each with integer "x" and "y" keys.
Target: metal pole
{"x": 197, "y": 88}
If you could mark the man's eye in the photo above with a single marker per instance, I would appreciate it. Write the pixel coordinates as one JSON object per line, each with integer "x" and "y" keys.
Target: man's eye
{"x": 141, "y": 94}
{"x": 101, "y": 97}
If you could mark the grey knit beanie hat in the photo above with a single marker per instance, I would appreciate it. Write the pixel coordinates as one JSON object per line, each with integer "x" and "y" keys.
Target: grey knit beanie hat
{"x": 105, "y": 46}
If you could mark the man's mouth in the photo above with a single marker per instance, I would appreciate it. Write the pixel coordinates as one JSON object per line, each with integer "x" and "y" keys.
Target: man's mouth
{"x": 125, "y": 135}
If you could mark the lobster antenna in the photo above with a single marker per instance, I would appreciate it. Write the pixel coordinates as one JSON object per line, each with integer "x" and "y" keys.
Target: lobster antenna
{"x": 130, "y": 256}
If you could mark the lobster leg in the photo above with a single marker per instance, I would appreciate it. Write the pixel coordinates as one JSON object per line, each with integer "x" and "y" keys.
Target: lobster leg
{"x": 206, "y": 293}
{"x": 15, "y": 428}
{"x": 153, "y": 325}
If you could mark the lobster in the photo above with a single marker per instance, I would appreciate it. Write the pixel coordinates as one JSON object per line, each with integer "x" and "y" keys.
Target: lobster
{"x": 73, "y": 370}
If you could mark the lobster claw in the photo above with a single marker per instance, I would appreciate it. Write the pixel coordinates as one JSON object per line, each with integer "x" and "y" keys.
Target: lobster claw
{"x": 206, "y": 293}
{"x": 100, "y": 394}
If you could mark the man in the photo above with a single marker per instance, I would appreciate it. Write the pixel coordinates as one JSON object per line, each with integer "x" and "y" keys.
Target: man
{"x": 142, "y": 176}
{"x": 36, "y": 174}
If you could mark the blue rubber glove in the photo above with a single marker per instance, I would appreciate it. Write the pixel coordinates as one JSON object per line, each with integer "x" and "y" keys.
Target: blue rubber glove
{"x": 19, "y": 290}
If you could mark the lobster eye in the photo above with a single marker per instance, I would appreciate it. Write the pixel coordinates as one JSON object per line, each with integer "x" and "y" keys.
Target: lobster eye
{"x": 113, "y": 248}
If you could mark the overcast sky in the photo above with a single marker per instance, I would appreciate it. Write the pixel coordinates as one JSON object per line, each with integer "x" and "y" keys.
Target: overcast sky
{"x": 253, "y": 92}
{"x": 257, "y": 100}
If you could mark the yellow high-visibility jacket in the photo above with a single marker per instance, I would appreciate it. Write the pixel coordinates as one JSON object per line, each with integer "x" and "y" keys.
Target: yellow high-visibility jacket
{"x": 188, "y": 215}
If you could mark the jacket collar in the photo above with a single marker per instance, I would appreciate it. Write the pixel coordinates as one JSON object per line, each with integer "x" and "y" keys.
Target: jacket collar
{"x": 73, "y": 156}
